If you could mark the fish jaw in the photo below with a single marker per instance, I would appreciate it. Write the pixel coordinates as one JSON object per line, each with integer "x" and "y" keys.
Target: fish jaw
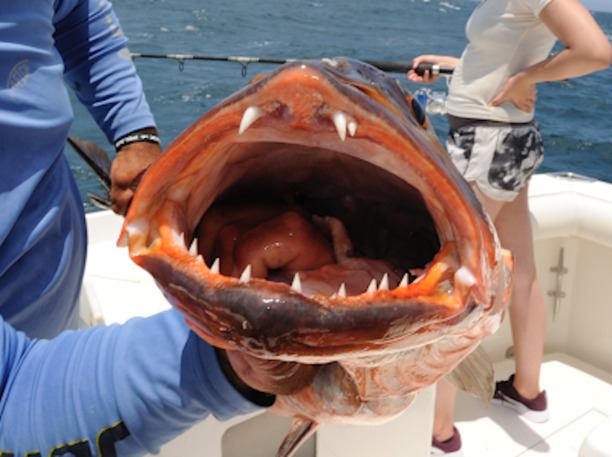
{"x": 302, "y": 127}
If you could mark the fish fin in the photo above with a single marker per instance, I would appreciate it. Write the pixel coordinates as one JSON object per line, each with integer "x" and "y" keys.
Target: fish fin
{"x": 99, "y": 200}
{"x": 475, "y": 375}
{"x": 508, "y": 258}
{"x": 300, "y": 431}
{"x": 97, "y": 159}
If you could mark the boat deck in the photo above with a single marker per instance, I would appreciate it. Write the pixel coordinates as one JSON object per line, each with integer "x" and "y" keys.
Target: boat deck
{"x": 579, "y": 395}
{"x": 579, "y": 399}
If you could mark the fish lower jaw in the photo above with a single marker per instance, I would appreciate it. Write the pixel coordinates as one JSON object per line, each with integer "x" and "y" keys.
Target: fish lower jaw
{"x": 444, "y": 281}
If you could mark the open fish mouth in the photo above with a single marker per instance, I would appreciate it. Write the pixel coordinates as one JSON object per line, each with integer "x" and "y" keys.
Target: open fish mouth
{"x": 314, "y": 216}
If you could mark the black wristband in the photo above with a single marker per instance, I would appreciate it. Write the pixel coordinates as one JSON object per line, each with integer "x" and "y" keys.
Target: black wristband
{"x": 136, "y": 138}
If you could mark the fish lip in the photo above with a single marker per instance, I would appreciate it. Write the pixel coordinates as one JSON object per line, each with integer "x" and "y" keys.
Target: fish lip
{"x": 145, "y": 250}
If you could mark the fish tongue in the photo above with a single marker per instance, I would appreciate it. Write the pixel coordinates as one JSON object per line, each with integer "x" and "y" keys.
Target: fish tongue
{"x": 286, "y": 242}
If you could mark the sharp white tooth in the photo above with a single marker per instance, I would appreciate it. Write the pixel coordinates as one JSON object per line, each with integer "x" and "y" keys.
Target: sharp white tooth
{"x": 138, "y": 228}
{"x": 352, "y": 128}
{"x": 251, "y": 114}
{"x": 465, "y": 276}
{"x": 246, "y": 274}
{"x": 372, "y": 287}
{"x": 342, "y": 291}
{"x": 123, "y": 241}
{"x": 215, "y": 266}
{"x": 297, "y": 284}
{"x": 339, "y": 119}
{"x": 404, "y": 282}
{"x": 200, "y": 258}
{"x": 182, "y": 239}
{"x": 193, "y": 249}
{"x": 384, "y": 282}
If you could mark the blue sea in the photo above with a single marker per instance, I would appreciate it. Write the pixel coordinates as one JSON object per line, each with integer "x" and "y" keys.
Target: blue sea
{"x": 575, "y": 116}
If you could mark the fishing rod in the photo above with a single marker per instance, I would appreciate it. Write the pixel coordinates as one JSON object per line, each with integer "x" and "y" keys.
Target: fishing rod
{"x": 384, "y": 65}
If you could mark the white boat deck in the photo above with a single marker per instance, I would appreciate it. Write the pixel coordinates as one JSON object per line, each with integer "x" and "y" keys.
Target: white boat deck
{"x": 115, "y": 288}
{"x": 579, "y": 394}
{"x": 579, "y": 399}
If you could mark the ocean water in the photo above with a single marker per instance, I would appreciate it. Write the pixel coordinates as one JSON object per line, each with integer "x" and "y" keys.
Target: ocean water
{"x": 575, "y": 116}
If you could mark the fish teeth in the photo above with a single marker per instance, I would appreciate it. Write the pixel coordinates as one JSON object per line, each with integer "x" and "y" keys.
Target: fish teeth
{"x": 445, "y": 287}
{"x": 464, "y": 276}
{"x": 297, "y": 283}
{"x": 372, "y": 287}
{"x": 193, "y": 249}
{"x": 123, "y": 241}
{"x": 340, "y": 122}
{"x": 404, "y": 282}
{"x": 384, "y": 282}
{"x": 214, "y": 269}
{"x": 136, "y": 228}
{"x": 246, "y": 274}
{"x": 251, "y": 114}
{"x": 342, "y": 291}
{"x": 181, "y": 239}
{"x": 352, "y": 128}
{"x": 200, "y": 258}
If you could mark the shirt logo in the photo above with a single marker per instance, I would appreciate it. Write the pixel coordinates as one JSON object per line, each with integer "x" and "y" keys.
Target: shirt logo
{"x": 18, "y": 76}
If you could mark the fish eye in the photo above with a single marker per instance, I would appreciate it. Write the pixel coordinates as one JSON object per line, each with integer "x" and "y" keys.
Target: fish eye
{"x": 418, "y": 111}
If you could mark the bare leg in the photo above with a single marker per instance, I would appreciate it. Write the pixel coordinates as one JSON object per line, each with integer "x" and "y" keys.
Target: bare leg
{"x": 527, "y": 309}
{"x": 444, "y": 410}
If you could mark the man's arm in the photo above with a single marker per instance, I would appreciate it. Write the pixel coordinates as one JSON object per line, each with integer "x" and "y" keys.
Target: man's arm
{"x": 99, "y": 69}
{"x": 134, "y": 387}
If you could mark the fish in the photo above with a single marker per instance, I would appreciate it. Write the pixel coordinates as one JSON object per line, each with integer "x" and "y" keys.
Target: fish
{"x": 97, "y": 159}
{"x": 314, "y": 217}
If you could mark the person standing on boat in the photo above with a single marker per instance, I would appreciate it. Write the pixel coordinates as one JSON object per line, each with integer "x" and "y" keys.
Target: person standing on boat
{"x": 496, "y": 144}
{"x": 43, "y": 241}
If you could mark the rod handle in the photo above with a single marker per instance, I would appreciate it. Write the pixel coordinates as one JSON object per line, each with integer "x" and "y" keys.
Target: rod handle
{"x": 405, "y": 67}
{"x": 433, "y": 69}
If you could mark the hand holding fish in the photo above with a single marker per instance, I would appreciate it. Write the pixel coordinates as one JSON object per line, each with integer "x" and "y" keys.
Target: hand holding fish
{"x": 127, "y": 169}
{"x": 271, "y": 376}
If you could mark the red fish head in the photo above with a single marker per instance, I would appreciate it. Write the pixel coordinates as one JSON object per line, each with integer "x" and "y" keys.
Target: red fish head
{"x": 327, "y": 226}
{"x": 316, "y": 148}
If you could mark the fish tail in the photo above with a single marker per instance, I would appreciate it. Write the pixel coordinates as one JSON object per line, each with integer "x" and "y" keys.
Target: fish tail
{"x": 300, "y": 431}
{"x": 97, "y": 159}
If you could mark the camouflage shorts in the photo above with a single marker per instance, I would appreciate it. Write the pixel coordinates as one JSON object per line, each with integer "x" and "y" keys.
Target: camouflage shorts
{"x": 500, "y": 158}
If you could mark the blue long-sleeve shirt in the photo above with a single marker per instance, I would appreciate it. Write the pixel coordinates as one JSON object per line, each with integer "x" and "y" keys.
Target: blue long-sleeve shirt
{"x": 123, "y": 389}
{"x": 42, "y": 225}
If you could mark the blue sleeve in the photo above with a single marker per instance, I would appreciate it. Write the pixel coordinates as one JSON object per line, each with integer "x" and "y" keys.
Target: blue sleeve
{"x": 125, "y": 388}
{"x": 98, "y": 66}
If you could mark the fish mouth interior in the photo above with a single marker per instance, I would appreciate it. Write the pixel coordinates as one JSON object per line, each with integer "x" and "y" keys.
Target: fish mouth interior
{"x": 385, "y": 217}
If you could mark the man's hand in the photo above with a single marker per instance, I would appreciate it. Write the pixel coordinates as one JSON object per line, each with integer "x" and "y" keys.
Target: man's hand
{"x": 269, "y": 376}
{"x": 127, "y": 169}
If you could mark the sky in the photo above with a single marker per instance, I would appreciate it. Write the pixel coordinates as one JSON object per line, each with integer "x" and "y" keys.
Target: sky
{"x": 598, "y": 5}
